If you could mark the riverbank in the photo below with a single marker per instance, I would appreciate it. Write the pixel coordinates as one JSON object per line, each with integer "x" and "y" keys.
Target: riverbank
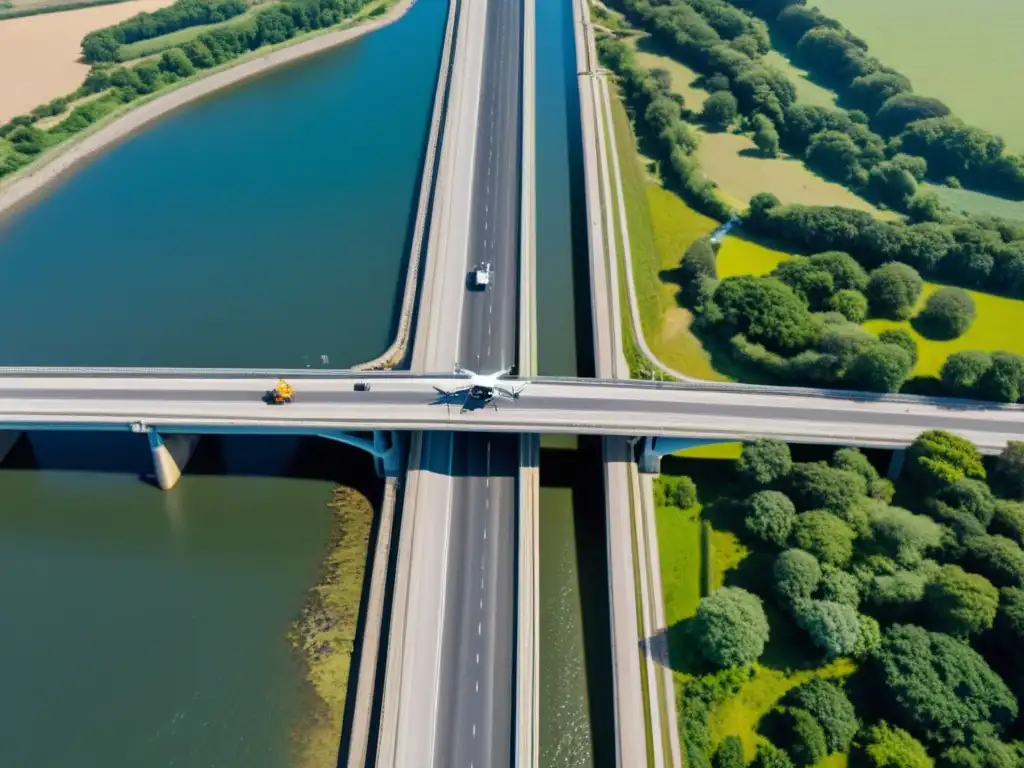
{"x": 27, "y": 183}
{"x": 324, "y": 633}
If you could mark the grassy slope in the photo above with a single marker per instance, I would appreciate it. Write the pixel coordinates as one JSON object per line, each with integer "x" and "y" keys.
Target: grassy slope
{"x": 978, "y": 203}
{"x": 784, "y": 664}
{"x": 325, "y": 632}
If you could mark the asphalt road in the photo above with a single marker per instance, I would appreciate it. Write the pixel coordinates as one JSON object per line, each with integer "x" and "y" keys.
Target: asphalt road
{"x": 476, "y": 686}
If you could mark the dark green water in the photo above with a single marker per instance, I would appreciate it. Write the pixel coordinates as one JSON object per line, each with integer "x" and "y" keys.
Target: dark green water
{"x": 576, "y": 720}
{"x": 265, "y": 226}
{"x": 143, "y": 628}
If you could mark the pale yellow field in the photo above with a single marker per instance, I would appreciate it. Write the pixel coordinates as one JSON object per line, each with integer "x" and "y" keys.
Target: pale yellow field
{"x": 45, "y": 52}
{"x": 734, "y": 163}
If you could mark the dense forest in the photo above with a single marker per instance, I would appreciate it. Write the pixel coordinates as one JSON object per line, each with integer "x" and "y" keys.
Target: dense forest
{"x": 921, "y": 585}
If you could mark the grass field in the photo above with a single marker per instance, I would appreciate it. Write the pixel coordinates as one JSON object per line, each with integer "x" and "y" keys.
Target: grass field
{"x": 160, "y": 44}
{"x": 978, "y": 203}
{"x": 991, "y": 331}
{"x": 807, "y": 91}
{"x": 784, "y": 664}
{"x": 733, "y": 162}
{"x": 961, "y": 53}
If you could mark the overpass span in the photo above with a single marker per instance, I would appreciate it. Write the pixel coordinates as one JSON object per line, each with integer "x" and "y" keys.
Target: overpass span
{"x": 402, "y": 402}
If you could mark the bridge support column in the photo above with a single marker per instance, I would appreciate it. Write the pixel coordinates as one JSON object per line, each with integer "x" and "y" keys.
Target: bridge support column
{"x": 896, "y": 464}
{"x": 653, "y": 448}
{"x": 7, "y": 441}
{"x": 170, "y": 456}
{"x": 386, "y": 448}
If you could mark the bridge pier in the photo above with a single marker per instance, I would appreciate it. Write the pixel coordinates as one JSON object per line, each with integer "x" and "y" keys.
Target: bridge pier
{"x": 7, "y": 441}
{"x": 170, "y": 456}
{"x": 896, "y": 464}
{"x": 653, "y": 448}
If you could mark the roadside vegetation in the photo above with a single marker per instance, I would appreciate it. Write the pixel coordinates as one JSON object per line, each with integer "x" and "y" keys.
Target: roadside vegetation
{"x": 818, "y": 615}
{"x": 757, "y": 319}
{"x": 111, "y": 87}
{"x": 14, "y": 9}
{"x": 324, "y": 634}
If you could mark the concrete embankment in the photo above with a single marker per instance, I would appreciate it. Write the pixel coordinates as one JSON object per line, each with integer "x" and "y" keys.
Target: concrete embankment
{"x": 26, "y": 184}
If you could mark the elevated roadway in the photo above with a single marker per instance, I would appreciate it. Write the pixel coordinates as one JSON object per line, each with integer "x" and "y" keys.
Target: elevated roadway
{"x": 549, "y": 405}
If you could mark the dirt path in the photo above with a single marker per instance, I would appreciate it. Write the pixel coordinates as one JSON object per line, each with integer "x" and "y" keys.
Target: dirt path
{"x": 44, "y": 52}
{"x": 35, "y": 177}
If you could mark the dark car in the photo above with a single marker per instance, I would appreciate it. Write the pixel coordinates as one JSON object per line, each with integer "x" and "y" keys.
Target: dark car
{"x": 362, "y": 386}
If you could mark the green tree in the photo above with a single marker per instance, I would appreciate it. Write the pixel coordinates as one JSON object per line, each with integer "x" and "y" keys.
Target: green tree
{"x": 811, "y": 283}
{"x": 937, "y": 459}
{"x": 1004, "y": 379}
{"x": 770, "y": 517}
{"x": 829, "y": 705}
{"x": 177, "y": 63}
{"x": 1008, "y": 520}
{"x": 835, "y": 155}
{"x": 833, "y": 627}
{"x": 939, "y": 687}
{"x": 893, "y": 289}
{"x": 730, "y": 627}
{"x": 972, "y": 497}
{"x": 766, "y": 138}
{"x": 764, "y": 461}
{"x": 729, "y": 753}
{"x": 889, "y": 747}
{"x": 846, "y": 273}
{"x": 838, "y": 586}
{"x": 819, "y": 486}
{"x": 926, "y": 206}
{"x": 962, "y": 371}
{"x": 898, "y": 337}
{"x": 947, "y": 314}
{"x": 770, "y": 756}
{"x": 1008, "y": 470}
{"x": 997, "y": 558}
{"x": 892, "y": 183}
{"x": 960, "y": 603}
{"x": 807, "y": 740}
{"x": 904, "y": 108}
{"x": 797, "y": 574}
{"x": 853, "y": 305}
{"x": 767, "y": 311}
{"x": 719, "y": 110}
{"x": 825, "y": 536}
{"x": 904, "y": 536}
{"x": 881, "y": 368}
{"x": 871, "y": 91}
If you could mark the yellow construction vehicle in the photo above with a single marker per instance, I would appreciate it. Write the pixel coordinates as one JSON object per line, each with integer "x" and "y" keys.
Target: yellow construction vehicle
{"x": 281, "y": 394}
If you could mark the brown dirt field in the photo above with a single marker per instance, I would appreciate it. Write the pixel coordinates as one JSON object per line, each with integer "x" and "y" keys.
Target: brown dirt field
{"x": 45, "y": 50}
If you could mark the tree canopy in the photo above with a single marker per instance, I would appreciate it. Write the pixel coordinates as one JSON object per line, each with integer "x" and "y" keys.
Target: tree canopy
{"x": 770, "y": 517}
{"x": 731, "y": 628}
{"x": 764, "y": 461}
{"x": 947, "y": 314}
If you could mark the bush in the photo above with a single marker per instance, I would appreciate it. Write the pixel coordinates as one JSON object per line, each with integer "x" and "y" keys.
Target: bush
{"x": 731, "y": 628}
{"x": 898, "y": 337}
{"x": 937, "y": 459}
{"x": 680, "y": 492}
{"x": 1008, "y": 520}
{"x": 807, "y": 740}
{"x": 770, "y": 756}
{"x": 825, "y": 536}
{"x": 834, "y": 712}
{"x": 720, "y": 109}
{"x": 881, "y": 368}
{"x": 833, "y": 627}
{"x": 947, "y": 314}
{"x": 766, "y": 311}
{"x": 1008, "y": 470}
{"x": 838, "y": 586}
{"x": 764, "y": 461}
{"x": 889, "y": 747}
{"x": 939, "y": 687}
{"x": 797, "y": 574}
{"x": 1003, "y": 381}
{"x": 819, "y": 486}
{"x": 960, "y": 603}
{"x": 853, "y": 305}
{"x": 770, "y": 517}
{"x": 893, "y": 289}
{"x": 729, "y": 753}
{"x": 972, "y": 497}
{"x": 962, "y": 372}
{"x": 766, "y": 137}
{"x": 997, "y": 558}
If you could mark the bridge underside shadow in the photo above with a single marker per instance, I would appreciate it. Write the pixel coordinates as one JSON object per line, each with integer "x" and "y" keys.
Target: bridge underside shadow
{"x": 300, "y": 457}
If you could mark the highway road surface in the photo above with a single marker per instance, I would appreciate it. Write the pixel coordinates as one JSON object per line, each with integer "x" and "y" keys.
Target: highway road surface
{"x": 592, "y": 406}
{"x": 474, "y": 726}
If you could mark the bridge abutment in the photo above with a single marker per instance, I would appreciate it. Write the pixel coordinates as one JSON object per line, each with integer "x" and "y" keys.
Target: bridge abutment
{"x": 7, "y": 442}
{"x": 896, "y": 464}
{"x": 170, "y": 456}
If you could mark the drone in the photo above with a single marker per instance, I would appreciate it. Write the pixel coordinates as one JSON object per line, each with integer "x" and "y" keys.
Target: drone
{"x": 482, "y": 390}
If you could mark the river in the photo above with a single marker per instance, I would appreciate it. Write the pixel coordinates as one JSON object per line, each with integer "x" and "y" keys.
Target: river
{"x": 576, "y": 719}
{"x": 265, "y": 226}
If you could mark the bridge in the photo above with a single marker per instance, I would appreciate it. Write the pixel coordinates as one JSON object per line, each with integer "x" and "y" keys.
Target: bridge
{"x": 329, "y": 405}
